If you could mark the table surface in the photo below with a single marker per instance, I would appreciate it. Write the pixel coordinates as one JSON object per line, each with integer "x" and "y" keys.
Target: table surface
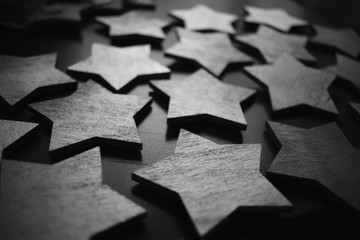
{"x": 314, "y": 213}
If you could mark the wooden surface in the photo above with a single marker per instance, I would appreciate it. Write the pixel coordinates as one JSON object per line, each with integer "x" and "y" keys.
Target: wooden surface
{"x": 201, "y": 17}
{"x": 213, "y": 181}
{"x": 212, "y": 51}
{"x": 321, "y": 154}
{"x": 272, "y": 44}
{"x": 292, "y": 84}
{"x": 22, "y": 79}
{"x": 273, "y": 17}
{"x": 95, "y": 114}
{"x": 134, "y": 23}
{"x": 202, "y": 97}
{"x": 345, "y": 40}
{"x": 118, "y": 67}
{"x": 63, "y": 201}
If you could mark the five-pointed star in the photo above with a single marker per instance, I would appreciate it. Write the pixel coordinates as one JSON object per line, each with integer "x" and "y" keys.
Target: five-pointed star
{"x": 292, "y": 84}
{"x": 21, "y": 79}
{"x": 134, "y": 24}
{"x": 345, "y": 40}
{"x": 120, "y": 66}
{"x": 276, "y": 18}
{"x": 321, "y": 154}
{"x": 203, "y": 97}
{"x": 213, "y": 51}
{"x": 272, "y": 44}
{"x": 213, "y": 181}
{"x": 63, "y": 201}
{"x": 93, "y": 112}
{"x": 202, "y": 17}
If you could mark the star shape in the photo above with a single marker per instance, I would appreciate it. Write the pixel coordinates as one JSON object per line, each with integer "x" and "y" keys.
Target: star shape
{"x": 22, "y": 79}
{"x": 213, "y": 51}
{"x": 93, "y": 113}
{"x": 272, "y": 44}
{"x": 345, "y": 40}
{"x": 134, "y": 23}
{"x": 62, "y": 201}
{"x": 120, "y": 66}
{"x": 292, "y": 84}
{"x": 213, "y": 181}
{"x": 203, "y": 97}
{"x": 275, "y": 17}
{"x": 201, "y": 17}
{"x": 321, "y": 155}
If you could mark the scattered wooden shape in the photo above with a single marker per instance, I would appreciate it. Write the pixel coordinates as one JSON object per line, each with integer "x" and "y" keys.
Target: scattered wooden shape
{"x": 203, "y": 97}
{"x": 276, "y": 18}
{"x": 63, "y": 201}
{"x": 120, "y": 66}
{"x": 292, "y": 84}
{"x": 213, "y": 51}
{"x": 22, "y": 79}
{"x": 355, "y": 107}
{"x": 345, "y": 40}
{"x": 141, "y": 4}
{"x": 134, "y": 23}
{"x": 272, "y": 44}
{"x": 321, "y": 155}
{"x": 104, "y": 7}
{"x": 213, "y": 181}
{"x": 93, "y": 113}
{"x": 203, "y": 18}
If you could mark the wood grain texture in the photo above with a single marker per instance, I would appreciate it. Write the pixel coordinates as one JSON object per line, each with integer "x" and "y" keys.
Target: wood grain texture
{"x": 134, "y": 23}
{"x": 120, "y": 66}
{"x": 202, "y": 17}
{"x": 355, "y": 107}
{"x": 345, "y": 40}
{"x": 202, "y": 97}
{"x": 62, "y": 201}
{"x": 274, "y": 17}
{"x": 93, "y": 113}
{"x": 213, "y": 181}
{"x": 272, "y": 44}
{"x": 322, "y": 155}
{"x": 22, "y": 79}
{"x": 212, "y": 51}
{"x": 292, "y": 84}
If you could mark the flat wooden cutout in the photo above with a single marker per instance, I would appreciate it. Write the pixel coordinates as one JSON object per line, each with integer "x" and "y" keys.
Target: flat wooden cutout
{"x": 21, "y": 79}
{"x": 292, "y": 84}
{"x": 134, "y": 23}
{"x": 322, "y": 155}
{"x": 355, "y": 107}
{"x": 345, "y": 40}
{"x": 272, "y": 44}
{"x": 120, "y": 66}
{"x": 203, "y": 18}
{"x": 93, "y": 112}
{"x": 213, "y": 181}
{"x": 274, "y": 17}
{"x": 203, "y": 97}
{"x": 213, "y": 51}
{"x": 62, "y": 201}
{"x": 104, "y": 7}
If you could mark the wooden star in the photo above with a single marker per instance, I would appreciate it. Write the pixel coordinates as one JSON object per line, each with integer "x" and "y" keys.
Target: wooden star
{"x": 120, "y": 66}
{"x": 202, "y": 97}
{"x": 272, "y": 44}
{"x": 355, "y": 107}
{"x": 22, "y": 79}
{"x": 276, "y": 18}
{"x": 63, "y": 201}
{"x": 345, "y": 40}
{"x": 292, "y": 84}
{"x": 134, "y": 23}
{"x": 203, "y": 18}
{"x": 213, "y": 51}
{"x": 321, "y": 155}
{"x": 94, "y": 114}
{"x": 213, "y": 181}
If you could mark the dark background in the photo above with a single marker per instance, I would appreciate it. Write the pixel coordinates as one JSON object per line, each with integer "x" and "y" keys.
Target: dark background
{"x": 315, "y": 215}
